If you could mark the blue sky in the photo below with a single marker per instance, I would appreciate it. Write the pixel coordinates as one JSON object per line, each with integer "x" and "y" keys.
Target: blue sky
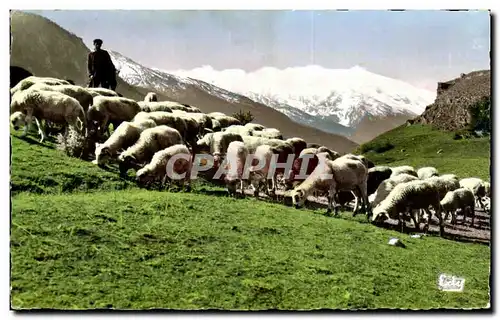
{"x": 420, "y": 47}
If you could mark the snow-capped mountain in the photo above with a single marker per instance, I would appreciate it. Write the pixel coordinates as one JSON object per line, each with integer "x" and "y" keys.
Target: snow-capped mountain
{"x": 334, "y": 101}
{"x": 344, "y": 96}
{"x": 139, "y": 75}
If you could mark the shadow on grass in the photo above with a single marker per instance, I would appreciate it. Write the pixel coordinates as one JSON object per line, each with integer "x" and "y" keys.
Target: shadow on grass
{"x": 33, "y": 141}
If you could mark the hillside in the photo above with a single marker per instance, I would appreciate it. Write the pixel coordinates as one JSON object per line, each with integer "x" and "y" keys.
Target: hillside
{"x": 451, "y": 111}
{"x": 422, "y": 145}
{"x": 138, "y": 249}
{"x": 45, "y": 49}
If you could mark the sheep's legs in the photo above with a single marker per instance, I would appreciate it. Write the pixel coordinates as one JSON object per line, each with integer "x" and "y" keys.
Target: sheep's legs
{"x": 414, "y": 218}
{"x": 40, "y": 131}
{"x": 356, "y": 201}
{"x": 331, "y": 196}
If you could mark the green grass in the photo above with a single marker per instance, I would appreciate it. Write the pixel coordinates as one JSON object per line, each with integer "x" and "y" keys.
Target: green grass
{"x": 465, "y": 158}
{"x": 139, "y": 249}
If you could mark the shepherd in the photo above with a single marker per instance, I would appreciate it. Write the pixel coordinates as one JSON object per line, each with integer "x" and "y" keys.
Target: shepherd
{"x": 102, "y": 71}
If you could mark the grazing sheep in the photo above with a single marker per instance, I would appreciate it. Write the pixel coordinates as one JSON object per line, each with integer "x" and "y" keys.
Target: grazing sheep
{"x": 26, "y": 83}
{"x": 164, "y": 167}
{"x": 376, "y": 175}
{"x": 403, "y": 169}
{"x": 46, "y": 105}
{"x": 386, "y": 187}
{"x": 427, "y": 172}
{"x": 234, "y": 164}
{"x": 298, "y": 144}
{"x": 255, "y": 126}
{"x": 123, "y": 137}
{"x": 168, "y": 119}
{"x": 444, "y": 184}
{"x": 151, "y": 96}
{"x": 461, "y": 198}
{"x": 259, "y": 170}
{"x": 253, "y": 142}
{"x": 239, "y": 129}
{"x": 95, "y": 92}
{"x": 217, "y": 142}
{"x": 216, "y": 126}
{"x": 308, "y": 151}
{"x": 225, "y": 121}
{"x": 204, "y": 121}
{"x": 293, "y": 178}
{"x": 270, "y": 133}
{"x": 332, "y": 154}
{"x": 334, "y": 176}
{"x": 152, "y": 106}
{"x": 113, "y": 110}
{"x": 150, "y": 141}
{"x": 193, "y": 129}
{"x": 77, "y": 92}
{"x": 412, "y": 196}
{"x": 478, "y": 188}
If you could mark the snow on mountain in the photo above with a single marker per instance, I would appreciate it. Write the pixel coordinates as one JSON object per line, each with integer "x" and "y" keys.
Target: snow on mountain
{"x": 334, "y": 101}
{"x": 138, "y": 75}
{"x": 344, "y": 96}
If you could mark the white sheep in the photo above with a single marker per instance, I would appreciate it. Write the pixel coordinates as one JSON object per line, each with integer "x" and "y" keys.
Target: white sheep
{"x": 26, "y": 83}
{"x": 403, "y": 169}
{"x": 113, "y": 110}
{"x": 224, "y": 120}
{"x": 152, "y": 106}
{"x": 50, "y": 106}
{"x": 338, "y": 175}
{"x": 461, "y": 198}
{"x": 123, "y": 137}
{"x": 259, "y": 170}
{"x": 170, "y": 164}
{"x": 332, "y": 154}
{"x": 444, "y": 184}
{"x": 386, "y": 186}
{"x": 216, "y": 144}
{"x": 234, "y": 165}
{"x": 308, "y": 151}
{"x": 298, "y": 144}
{"x": 427, "y": 172}
{"x": 216, "y": 126}
{"x": 151, "y": 96}
{"x": 204, "y": 121}
{"x": 478, "y": 188}
{"x": 150, "y": 141}
{"x": 255, "y": 126}
{"x": 270, "y": 133}
{"x": 95, "y": 92}
{"x": 77, "y": 92}
{"x": 169, "y": 119}
{"x": 239, "y": 129}
{"x": 410, "y": 196}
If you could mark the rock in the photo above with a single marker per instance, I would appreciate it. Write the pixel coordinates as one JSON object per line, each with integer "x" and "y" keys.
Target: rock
{"x": 396, "y": 242}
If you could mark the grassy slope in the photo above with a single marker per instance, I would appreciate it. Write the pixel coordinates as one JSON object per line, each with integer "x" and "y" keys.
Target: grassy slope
{"x": 143, "y": 249}
{"x": 465, "y": 158}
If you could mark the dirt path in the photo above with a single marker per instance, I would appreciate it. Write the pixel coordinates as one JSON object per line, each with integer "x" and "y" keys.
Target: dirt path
{"x": 479, "y": 233}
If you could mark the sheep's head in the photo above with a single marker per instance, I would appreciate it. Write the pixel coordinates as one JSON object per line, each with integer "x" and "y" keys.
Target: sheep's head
{"x": 18, "y": 120}
{"x": 298, "y": 197}
{"x": 144, "y": 177}
{"x": 379, "y": 215}
{"x": 102, "y": 153}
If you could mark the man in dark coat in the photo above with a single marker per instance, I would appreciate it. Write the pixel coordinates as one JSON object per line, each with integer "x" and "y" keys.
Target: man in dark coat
{"x": 102, "y": 71}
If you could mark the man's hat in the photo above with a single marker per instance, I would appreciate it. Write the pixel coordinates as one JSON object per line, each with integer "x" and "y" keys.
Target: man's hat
{"x": 97, "y": 41}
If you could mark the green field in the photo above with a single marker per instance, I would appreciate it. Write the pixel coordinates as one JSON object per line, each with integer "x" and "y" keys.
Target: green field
{"x": 420, "y": 145}
{"x": 118, "y": 246}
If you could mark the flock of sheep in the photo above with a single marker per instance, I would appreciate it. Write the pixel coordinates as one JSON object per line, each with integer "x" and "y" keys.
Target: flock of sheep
{"x": 149, "y": 134}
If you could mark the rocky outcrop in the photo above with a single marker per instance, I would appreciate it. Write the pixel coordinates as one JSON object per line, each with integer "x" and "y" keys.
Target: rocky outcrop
{"x": 450, "y": 110}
